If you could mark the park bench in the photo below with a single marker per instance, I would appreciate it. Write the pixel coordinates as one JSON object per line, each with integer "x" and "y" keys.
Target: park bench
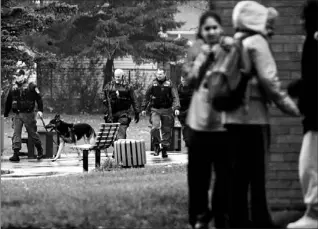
{"x": 104, "y": 139}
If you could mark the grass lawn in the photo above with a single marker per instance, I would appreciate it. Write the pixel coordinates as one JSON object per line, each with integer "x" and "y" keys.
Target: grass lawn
{"x": 154, "y": 197}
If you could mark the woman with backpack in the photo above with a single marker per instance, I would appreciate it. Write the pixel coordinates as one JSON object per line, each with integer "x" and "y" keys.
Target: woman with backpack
{"x": 248, "y": 126}
{"x": 206, "y": 130}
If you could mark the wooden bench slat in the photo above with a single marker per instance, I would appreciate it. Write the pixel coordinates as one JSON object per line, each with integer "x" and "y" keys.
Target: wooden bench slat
{"x": 104, "y": 137}
{"x": 109, "y": 135}
{"x": 103, "y": 142}
{"x": 84, "y": 146}
{"x": 106, "y": 132}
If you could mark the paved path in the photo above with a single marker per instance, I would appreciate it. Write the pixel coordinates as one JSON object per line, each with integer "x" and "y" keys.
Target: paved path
{"x": 70, "y": 164}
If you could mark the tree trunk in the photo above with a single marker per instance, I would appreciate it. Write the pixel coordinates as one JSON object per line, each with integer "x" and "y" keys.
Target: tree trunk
{"x": 108, "y": 71}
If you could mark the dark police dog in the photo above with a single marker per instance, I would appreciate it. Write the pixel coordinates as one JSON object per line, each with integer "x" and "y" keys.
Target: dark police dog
{"x": 70, "y": 133}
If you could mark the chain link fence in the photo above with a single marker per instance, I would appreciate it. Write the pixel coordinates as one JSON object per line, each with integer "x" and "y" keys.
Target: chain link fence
{"x": 79, "y": 90}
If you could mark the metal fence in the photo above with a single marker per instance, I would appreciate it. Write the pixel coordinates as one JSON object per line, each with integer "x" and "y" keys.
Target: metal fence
{"x": 73, "y": 90}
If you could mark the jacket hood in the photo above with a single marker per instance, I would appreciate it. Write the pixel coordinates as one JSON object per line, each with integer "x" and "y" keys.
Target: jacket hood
{"x": 250, "y": 15}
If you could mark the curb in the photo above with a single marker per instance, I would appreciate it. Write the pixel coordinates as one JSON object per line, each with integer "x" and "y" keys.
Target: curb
{"x": 32, "y": 168}
{"x": 13, "y": 176}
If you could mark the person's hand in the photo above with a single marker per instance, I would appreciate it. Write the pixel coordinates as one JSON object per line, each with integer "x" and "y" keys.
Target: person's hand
{"x": 206, "y": 49}
{"x": 143, "y": 113}
{"x": 40, "y": 114}
{"x": 106, "y": 118}
{"x": 227, "y": 42}
{"x": 136, "y": 117}
{"x": 176, "y": 112}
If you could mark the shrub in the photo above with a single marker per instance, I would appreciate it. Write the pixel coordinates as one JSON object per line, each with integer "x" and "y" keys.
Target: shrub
{"x": 109, "y": 164}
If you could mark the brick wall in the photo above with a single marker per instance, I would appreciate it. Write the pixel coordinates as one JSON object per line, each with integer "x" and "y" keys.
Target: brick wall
{"x": 283, "y": 184}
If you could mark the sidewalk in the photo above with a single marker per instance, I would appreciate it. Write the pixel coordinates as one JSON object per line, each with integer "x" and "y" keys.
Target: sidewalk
{"x": 70, "y": 164}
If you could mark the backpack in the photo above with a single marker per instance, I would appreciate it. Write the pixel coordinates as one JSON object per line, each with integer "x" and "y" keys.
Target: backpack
{"x": 227, "y": 78}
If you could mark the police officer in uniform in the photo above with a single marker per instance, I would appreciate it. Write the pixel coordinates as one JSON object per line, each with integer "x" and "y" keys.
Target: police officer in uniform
{"x": 21, "y": 99}
{"x": 118, "y": 99}
{"x": 163, "y": 99}
{"x": 185, "y": 92}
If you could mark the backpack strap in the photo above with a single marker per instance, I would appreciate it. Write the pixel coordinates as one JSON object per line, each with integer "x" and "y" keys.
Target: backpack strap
{"x": 246, "y": 67}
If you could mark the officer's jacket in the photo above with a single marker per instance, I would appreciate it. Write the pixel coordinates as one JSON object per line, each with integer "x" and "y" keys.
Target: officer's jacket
{"x": 161, "y": 95}
{"x": 121, "y": 96}
{"x": 21, "y": 98}
{"x": 185, "y": 93}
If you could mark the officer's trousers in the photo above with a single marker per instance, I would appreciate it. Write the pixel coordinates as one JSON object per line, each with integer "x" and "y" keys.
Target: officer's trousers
{"x": 308, "y": 172}
{"x": 165, "y": 118}
{"x": 124, "y": 120}
{"x": 29, "y": 121}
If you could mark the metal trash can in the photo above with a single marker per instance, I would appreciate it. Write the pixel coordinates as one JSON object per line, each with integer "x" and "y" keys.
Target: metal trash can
{"x": 49, "y": 147}
{"x": 130, "y": 152}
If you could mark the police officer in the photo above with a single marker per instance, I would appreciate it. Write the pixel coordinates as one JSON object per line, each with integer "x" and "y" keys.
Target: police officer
{"x": 163, "y": 99}
{"x": 185, "y": 92}
{"x": 21, "y": 99}
{"x": 118, "y": 99}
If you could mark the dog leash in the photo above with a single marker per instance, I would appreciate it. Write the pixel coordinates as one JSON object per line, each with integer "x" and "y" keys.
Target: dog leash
{"x": 47, "y": 130}
{"x": 43, "y": 124}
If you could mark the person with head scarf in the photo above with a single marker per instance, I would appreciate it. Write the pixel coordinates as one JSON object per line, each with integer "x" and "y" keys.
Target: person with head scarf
{"x": 248, "y": 126}
{"x": 306, "y": 90}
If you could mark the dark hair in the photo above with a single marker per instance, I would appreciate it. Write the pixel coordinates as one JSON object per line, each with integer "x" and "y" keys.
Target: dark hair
{"x": 310, "y": 17}
{"x": 21, "y": 72}
{"x": 204, "y": 17}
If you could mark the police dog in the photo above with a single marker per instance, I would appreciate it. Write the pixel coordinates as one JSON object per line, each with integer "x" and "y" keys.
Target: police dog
{"x": 70, "y": 133}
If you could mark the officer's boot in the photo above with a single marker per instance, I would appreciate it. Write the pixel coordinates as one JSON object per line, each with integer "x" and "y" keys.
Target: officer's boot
{"x": 156, "y": 150}
{"x": 15, "y": 157}
{"x": 40, "y": 153}
{"x": 164, "y": 153}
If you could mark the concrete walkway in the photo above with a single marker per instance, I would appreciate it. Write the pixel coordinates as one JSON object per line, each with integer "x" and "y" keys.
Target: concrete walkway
{"x": 70, "y": 164}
